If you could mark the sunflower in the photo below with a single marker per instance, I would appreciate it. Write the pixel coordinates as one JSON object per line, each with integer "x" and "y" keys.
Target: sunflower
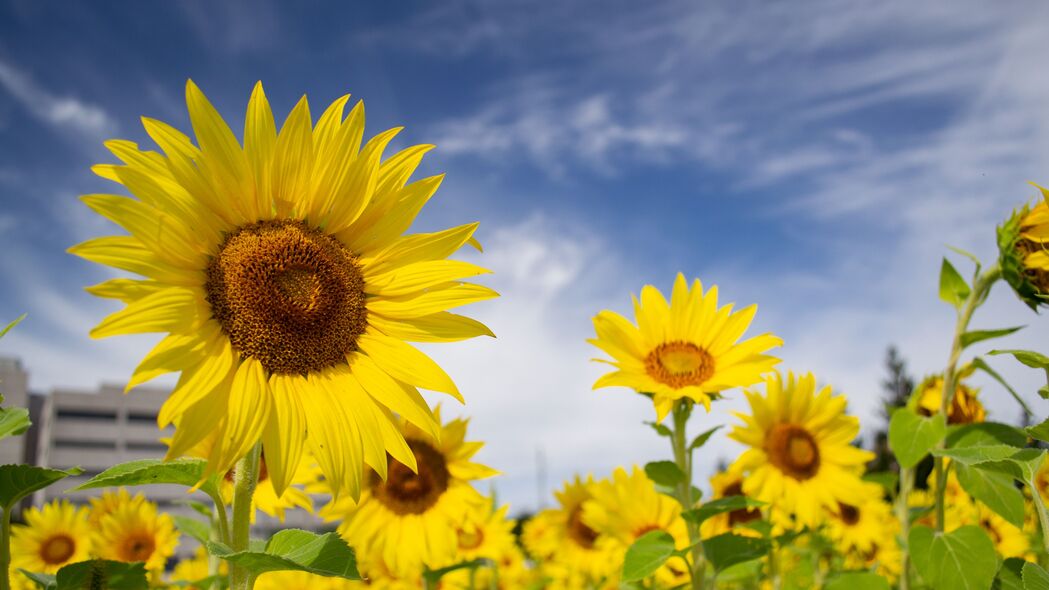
{"x": 54, "y": 535}
{"x": 1023, "y": 252}
{"x": 800, "y": 456}
{"x": 292, "y": 580}
{"x": 686, "y": 349}
{"x": 571, "y": 550}
{"x": 726, "y": 484}
{"x": 1041, "y": 481}
{"x": 484, "y": 533}
{"x": 279, "y": 272}
{"x": 196, "y": 569}
{"x": 135, "y": 531}
{"x": 965, "y": 407}
{"x": 862, "y": 523}
{"x": 628, "y": 506}
{"x": 409, "y": 517}
{"x": 104, "y": 505}
{"x": 1009, "y": 540}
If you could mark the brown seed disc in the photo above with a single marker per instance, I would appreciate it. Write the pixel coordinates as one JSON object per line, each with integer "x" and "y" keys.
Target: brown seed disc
{"x": 793, "y": 450}
{"x": 405, "y": 492}
{"x": 679, "y": 364}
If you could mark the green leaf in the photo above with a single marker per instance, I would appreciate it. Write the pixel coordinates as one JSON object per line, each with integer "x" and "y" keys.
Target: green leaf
{"x": 719, "y": 506}
{"x": 963, "y": 559}
{"x": 979, "y": 363}
{"x": 953, "y": 288}
{"x": 1009, "y": 575}
{"x": 199, "y": 530}
{"x": 1034, "y": 577}
{"x": 996, "y": 490}
{"x": 102, "y": 573}
{"x": 295, "y": 550}
{"x": 43, "y": 581}
{"x": 911, "y": 436}
{"x": 665, "y": 473}
{"x": 660, "y": 429}
{"x": 1035, "y": 360}
{"x": 14, "y": 421}
{"x": 974, "y": 336}
{"x": 702, "y": 438}
{"x": 983, "y": 433}
{"x": 886, "y": 479}
{"x": 968, "y": 255}
{"x": 8, "y": 327}
{"x": 435, "y": 575}
{"x": 648, "y": 553}
{"x": 977, "y": 454}
{"x": 858, "y": 581}
{"x": 185, "y": 472}
{"x": 1040, "y": 431}
{"x": 727, "y": 549}
{"x": 18, "y": 481}
{"x": 1022, "y": 465}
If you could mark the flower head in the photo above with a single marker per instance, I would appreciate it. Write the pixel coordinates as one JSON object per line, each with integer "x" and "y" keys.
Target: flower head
{"x": 1023, "y": 246}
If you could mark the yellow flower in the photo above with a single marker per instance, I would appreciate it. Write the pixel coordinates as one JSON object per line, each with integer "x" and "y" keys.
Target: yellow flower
{"x": 104, "y": 505}
{"x": 1023, "y": 246}
{"x": 863, "y": 523}
{"x": 409, "y": 518}
{"x": 726, "y": 484}
{"x": 1009, "y": 540}
{"x": 686, "y": 349}
{"x": 135, "y": 531}
{"x": 54, "y": 536}
{"x": 484, "y": 533}
{"x": 628, "y": 506}
{"x": 290, "y": 580}
{"x": 1041, "y": 481}
{"x": 279, "y": 272}
{"x": 195, "y": 569}
{"x": 965, "y": 407}
{"x": 800, "y": 457}
{"x": 570, "y": 549}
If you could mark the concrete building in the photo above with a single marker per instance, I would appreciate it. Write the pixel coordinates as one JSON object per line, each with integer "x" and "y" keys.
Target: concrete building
{"x": 14, "y": 385}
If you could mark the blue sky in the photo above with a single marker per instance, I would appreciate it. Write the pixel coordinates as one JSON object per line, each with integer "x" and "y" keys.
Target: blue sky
{"x": 811, "y": 157}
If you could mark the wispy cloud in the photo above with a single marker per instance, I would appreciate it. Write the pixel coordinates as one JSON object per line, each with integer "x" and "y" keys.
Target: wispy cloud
{"x": 66, "y": 114}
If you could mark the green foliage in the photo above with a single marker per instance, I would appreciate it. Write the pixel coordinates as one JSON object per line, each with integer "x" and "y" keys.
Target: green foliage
{"x": 185, "y": 472}
{"x": 13, "y": 421}
{"x": 648, "y": 553}
{"x": 295, "y": 550}
{"x": 886, "y": 479}
{"x": 982, "y": 365}
{"x": 719, "y": 506}
{"x": 201, "y": 531}
{"x": 996, "y": 490}
{"x": 42, "y": 581}
{"x": 727, "y": 550}
{"x": 1034, "y": 577}
{"x": 433, "y": 576}
{"x": 1039, "y": 431}
{"x": 963, "y": 559}
{"x": 973, "y": 336}
{"x": 8, "y": 327}
{"x": 953, "y": 288}
{"x": 18, "y": 481}
{"x": 857, "y": 581}
{"x": 665, "y": 473}
{"x": 96, "y": 573}
{"x": 985, "y": 433}
{"x": 1035, "y": 360}
{"x": 702, "y": 438}
{"x": 660, "y": 429}
{"x": 1010, "y": 575}
{"x": 912, "y": 436}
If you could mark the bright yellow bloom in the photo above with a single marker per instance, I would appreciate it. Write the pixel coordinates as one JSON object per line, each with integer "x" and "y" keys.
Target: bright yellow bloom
{"x": 55, "y": 535}
{"x": 965, "y": 407}
{"x": 628, "y": 506}
{"x": 484, "y": 532}
{"x": 409, "y": 518}
{"x": 800, "y": 456}
{"x": 1009, "y": 540}
{"x": 135, "y": 531}
{"x": 862, "y": 523}
{"x": 1023, "y": 245}
{"x": 289, "y": 580}
{"x": 279, "y": 272}
{"x": 686, "y": 349}
{"x": 104, "y": 505}
{"x": 725, "y": 484}
{"x": 195, "y": 569}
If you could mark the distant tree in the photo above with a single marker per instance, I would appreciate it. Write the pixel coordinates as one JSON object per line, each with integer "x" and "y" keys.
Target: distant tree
{"x": 897, "y": 388}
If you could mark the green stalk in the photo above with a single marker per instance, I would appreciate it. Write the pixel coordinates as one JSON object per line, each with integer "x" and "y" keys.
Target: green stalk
{"x": 683, "y": 458}
{"x": 981, "y": 286}
{"x": 5, "y": 550}
{"x": 903, "y": 513}
{"x": 245, "y": 478}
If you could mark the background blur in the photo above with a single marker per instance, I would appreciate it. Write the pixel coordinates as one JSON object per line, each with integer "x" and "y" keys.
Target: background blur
{"x": 811, "y": 157}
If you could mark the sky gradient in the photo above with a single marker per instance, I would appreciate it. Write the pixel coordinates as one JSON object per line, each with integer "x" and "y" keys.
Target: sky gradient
{"x": 814, "y": 158}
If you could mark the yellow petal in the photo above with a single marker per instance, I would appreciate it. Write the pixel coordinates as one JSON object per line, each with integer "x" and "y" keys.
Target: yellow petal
{"x": 440, "y": 298}
{"x": 284, "y": 437}
{"x": 195, "y": 383}
{"x": 406, "y": 363}
{"x": 397, "y": 396}
{"x": 223, "y": 157}
{"x": 410, "y": 278}
{"x": 260, "y": 140}
{"x": 380, "y": 225}
{"x": 162, "y": 311}
{"x": 128, "y": 253}
{"x": 417, "y": 248}
{"x": 250, "y": 404}
{"x": 354, "y": 192}
{"x": 126, "y": 290}
{"x": 293, "y": 161}
{"x": 438, "y": 327}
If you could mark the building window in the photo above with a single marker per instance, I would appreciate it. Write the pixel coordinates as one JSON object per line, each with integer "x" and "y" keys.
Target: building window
{"x": 85, "y": 414}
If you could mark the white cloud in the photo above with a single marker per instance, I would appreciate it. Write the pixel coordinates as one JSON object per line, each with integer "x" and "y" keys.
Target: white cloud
{"x": 65, "y": 113}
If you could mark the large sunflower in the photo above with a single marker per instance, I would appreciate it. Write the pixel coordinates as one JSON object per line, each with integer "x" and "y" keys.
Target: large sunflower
{"x": 410, "y": 517}
{"x": 53, "y": 536}
{"x": 686, "y": 349}
{"x": 279, "y": 271}
{"x": 800, "y": 457}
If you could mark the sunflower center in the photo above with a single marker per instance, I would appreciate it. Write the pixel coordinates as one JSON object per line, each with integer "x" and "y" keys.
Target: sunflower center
{"x": 406, "y": 492}
{"x": 848, "y": 513}
{"x": 287, "y": 295}
{"x": 583, "y": 535}
{"x": 679, "y": 364}
{"x": 740, "y": 515}
{"x": 57, "y": 549}
{"x": 137, "y": 547}
{"x": 793, "y": 450}
{"x": 470, "y": 539}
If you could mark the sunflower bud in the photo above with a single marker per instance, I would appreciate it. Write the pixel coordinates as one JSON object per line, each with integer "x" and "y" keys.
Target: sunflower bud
{"x": 1023, "y": 244}
{"x": 965, "y": 407}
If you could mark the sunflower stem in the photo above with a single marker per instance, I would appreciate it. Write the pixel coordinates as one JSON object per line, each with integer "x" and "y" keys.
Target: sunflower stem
{"x": 683, "y": 458}
{"x": 5, "y": 550}
{"x": 903, "y": 514}
{"x": 245, "y": 478}
{"x": 981, "y": 287}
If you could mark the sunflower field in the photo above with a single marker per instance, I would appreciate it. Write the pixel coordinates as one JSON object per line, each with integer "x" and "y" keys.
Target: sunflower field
{"x": 287, "y": 285}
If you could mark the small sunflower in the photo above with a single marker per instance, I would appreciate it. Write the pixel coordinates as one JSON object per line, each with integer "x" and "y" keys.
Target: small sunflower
{"x": 104, "y": 505}
{"x": 54, "y": 535}
{"x": 726, "y": 484}
{"x": 279, "y": 272}
{"x": 860, "y": 524}
{"x": 628, "y": 506}
{"x": 1023, "y": 246}
{"x": 800, "y": 454}
{"x": 187, "y": 572}
{"x": 688, "y": 348}
{"x": 409, "y": 517}
{"x": 136, "y": 532}
{"x": 1041, "y": 481}
{"x": 486, "y": 533}
{"x": 292, "y": 580}
{"x": 965, "y": 406}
